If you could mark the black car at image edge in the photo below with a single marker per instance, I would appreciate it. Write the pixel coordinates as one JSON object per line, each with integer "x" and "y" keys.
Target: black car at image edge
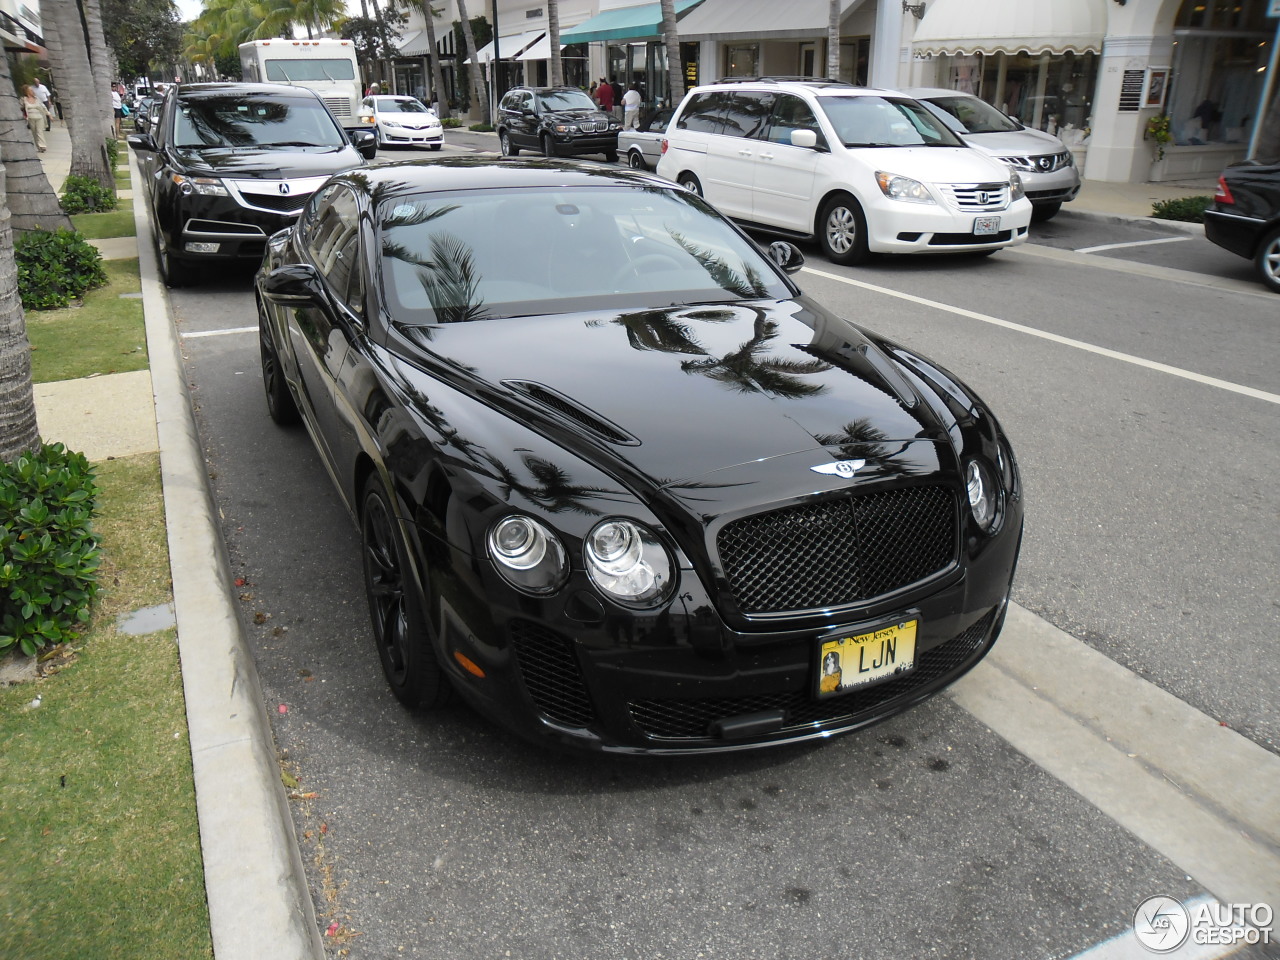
{"x": 1245, "y": 216}
{"x": 618, "y": 482}
{"x": 228, "y": 164}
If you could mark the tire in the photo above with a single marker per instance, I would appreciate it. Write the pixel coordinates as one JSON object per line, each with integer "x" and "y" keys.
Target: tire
{"x": 635, "y": 160}
{"x": 381, "y": 139}
{"x": 1267, "y": 260}
{"x": 400, "y": 630}
{"x": 280, "y": 403}
{"x": 509, "y": 149}
{"x": 842, "y": 231}
{"x": 173, "y": 271}
{"x": 1045, "y": 211}
{"x": 548, "y": 146}
{"x": 690, "y": 183}
{"x": 611, "y": 156}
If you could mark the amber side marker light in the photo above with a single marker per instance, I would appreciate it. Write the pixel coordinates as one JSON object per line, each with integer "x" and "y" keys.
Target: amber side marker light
{"x": 468, "y": 664}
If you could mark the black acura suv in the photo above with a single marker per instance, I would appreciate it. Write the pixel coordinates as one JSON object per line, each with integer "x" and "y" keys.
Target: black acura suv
{"x": 228, "y": 164}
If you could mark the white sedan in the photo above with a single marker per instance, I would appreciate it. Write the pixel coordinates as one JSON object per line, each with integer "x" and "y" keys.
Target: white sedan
{"x": 403, "y": 121}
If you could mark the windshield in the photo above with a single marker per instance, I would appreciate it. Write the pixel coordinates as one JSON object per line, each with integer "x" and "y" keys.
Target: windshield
{"x": 387, "y": 105}
{"x": 486, "y": 254}
{"x": 295, "y": 71}
{"x": 254, "y": 121}
{"x": 567, "y": 100}
{"x": 880, "y": 122}
{"x": 971, "y": 115}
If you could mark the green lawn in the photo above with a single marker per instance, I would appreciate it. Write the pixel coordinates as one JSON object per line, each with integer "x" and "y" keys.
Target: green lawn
{"x": 113, "y": 223}
{"x": 105, "y": 335}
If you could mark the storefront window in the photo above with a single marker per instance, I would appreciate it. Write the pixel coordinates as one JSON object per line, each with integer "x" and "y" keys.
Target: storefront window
{"x": 742, "y": 60}
{"x": 853, "y": 60}
{"x": 1220, "y": 57}
{"x": 1046, "y": 92}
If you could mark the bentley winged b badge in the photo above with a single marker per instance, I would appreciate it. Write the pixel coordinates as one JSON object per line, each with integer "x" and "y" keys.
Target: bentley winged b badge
{"x": 841, "y": 468}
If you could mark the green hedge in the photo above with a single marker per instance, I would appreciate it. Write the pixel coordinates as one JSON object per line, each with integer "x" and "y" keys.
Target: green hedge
{"x": 55, "y": 268}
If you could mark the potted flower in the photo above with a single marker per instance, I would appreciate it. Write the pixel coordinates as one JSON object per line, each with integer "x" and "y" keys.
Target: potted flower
{"x": 1158, "y": 130}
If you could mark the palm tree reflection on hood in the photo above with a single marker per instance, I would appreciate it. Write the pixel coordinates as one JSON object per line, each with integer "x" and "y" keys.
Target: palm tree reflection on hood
{"x": 862, "y": 441}
{"x": 664, "y": 331}
{"x": 551, "y": 488}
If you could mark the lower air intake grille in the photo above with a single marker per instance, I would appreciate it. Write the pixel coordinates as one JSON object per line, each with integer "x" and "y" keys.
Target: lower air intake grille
{"x": 692, "y": 719}
{"x": 837, "y": 552}
{"x": 551, "y": 673}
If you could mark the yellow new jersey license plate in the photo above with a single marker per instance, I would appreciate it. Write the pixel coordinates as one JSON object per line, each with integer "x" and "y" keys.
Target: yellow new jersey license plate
{"x": 846, "y": 663}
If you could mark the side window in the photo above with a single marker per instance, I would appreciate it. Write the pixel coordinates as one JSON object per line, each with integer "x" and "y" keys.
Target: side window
{"x": 511, "y": 101}
{"x": 746, "y": 113}
{"x": 332, "y": 239}
{"x": 791, "y": 114}
{"x": 702, "y": 114}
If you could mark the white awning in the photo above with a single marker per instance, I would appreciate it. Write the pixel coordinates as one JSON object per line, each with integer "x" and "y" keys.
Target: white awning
{"x": 413, "y": 45}
{"x": 511, "y": 47}
{"x": 539, "y": 51}
{"x": 1010, "y": 26}
{"x": 760, "y": 20}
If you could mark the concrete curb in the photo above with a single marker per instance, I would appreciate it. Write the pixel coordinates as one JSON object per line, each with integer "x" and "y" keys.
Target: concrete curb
{"x": 259, "y": 902}
{"x": 1099, "y": 216}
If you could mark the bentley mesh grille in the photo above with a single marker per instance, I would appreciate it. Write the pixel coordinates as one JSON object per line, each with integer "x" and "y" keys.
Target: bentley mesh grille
{"x": 692, "y": 719}
{"x": 551, "y": 673}
{"x": 837, "y": 552}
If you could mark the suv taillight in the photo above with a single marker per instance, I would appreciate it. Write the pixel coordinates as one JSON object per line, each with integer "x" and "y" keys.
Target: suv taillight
{"x": 1224, "y": 193}
{"x": 664, "y": 145}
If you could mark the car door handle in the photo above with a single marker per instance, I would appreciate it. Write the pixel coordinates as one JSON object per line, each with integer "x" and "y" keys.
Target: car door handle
{"x": 766, "y": 156}
{"x": 744, "y": 153}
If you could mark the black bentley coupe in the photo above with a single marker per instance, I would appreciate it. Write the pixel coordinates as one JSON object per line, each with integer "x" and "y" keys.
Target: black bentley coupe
{"x": 619, "y": 483}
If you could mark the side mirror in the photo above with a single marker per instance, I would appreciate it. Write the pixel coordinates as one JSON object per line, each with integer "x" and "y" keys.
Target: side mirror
{"x": 142, "y": 142}
{"x": 785, "y": 254}
{"x": 804, "y": 138}
{"x": 297, "y": 284}
{"x": 366, "y": 142}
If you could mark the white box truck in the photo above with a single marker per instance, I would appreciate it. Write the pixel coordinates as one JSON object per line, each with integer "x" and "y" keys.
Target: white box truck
{"x": 326, "y": 66}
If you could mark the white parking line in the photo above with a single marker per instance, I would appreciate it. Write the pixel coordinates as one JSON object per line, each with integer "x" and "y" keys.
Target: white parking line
{"x": 1055, "y": 338}
{"x": 1131, "y": 243}
{"x": 218, "y": 333}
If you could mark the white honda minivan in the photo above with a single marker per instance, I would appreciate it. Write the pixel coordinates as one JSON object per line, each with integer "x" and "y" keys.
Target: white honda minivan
{"x": 861, "y": 170}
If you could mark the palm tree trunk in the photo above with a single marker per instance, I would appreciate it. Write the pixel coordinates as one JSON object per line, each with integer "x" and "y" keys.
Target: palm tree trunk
{"x": 478, "y": 88}
{"x": 833, "y": 39}
{"x": 32, "y": 203}
{"x": 18, "y": 431}
{"x": 553, "y": 34}
{"x": 671, "y": 37}
{"x": 78, "y": 93}
{"x": 437, "y": 75}
{"x": 103, "y": 65}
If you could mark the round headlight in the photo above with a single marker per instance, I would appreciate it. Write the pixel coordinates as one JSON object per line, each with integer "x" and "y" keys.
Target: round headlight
{"x": 627, "y": 563}
{"x": 528, "y": 555}
{"x": 982, "y": 494}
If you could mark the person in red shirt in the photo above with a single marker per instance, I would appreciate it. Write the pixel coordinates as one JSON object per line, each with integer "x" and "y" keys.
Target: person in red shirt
{"x": 604, "y": 96}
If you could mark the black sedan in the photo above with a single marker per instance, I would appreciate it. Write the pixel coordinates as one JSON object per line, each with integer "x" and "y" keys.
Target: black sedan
{"x": 1245, "y": 216}
{"x": 619, "y": 483}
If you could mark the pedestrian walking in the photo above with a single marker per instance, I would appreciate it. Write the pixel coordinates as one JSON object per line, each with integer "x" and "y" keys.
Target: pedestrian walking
{"x": 37, "y": 113}
{"x": 42, "y": 94}
{"x": 117, "y": 105}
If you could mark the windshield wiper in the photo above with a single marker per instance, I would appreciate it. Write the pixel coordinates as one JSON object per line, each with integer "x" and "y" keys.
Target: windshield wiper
{"x": 293, "y": 143}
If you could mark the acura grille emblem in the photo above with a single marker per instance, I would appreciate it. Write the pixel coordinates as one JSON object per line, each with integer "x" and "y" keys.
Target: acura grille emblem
{"x": 284, "y": 188}
{"x": 841, "y": 468}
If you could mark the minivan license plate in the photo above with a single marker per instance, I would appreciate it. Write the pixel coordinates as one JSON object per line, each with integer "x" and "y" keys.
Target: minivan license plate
{"x": 986, "y": 226}
{"x": 848, "y": 662}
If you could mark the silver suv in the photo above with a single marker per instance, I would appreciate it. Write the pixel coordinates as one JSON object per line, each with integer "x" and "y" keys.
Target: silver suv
{"x": 1047, "y": 168}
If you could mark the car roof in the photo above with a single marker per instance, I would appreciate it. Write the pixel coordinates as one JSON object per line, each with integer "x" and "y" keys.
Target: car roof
{"x": 815, "y": 85}
{"x": 489, "y": 173}
{"x": 207, "y": 90}
{"x": 921, "y": 93}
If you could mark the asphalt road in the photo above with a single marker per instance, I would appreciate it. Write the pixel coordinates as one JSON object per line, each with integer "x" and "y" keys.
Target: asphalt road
{"x": 1151, "y": 533}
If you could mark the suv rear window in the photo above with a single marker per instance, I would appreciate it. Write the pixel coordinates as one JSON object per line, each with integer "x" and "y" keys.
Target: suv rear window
{"x": 254, "y": 122}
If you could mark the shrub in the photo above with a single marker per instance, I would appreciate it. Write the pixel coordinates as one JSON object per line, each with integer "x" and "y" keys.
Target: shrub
{"x": 450, "y": 122}
{"x": 113, "y": 153}
{"x": 482, "y": 127}
{"x": 1190, "y": 209}
{"x": 86, "y": 195}
{"x": 48, "y": 555}
{"x": 55, "y": 268}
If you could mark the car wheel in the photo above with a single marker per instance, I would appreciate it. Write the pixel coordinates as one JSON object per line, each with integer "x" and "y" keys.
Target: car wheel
{"x": 280, "y": 404}
{"x": 400, "y": 629}
{"x": 635, "y": 160}
{"x": 174, "y": 272}
{"x": 548, "y": 145}
{"x": 842, "y": 231}
{"x": 509, "y": 149}
{"x": 1045, "y": 211}
{"x": 690, "y": 183}
{"x": 611, "y": 156}
{"x": 1268, "y": 260}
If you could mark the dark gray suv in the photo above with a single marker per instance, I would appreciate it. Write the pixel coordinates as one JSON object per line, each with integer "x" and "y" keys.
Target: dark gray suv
{"x": 558, "y": 121}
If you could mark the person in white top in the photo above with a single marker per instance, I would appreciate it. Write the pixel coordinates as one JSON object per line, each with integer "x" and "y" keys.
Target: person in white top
{"x": 42, "y": 94}
{"x": 117, "y": 104}
{"x": 631, "y": 108}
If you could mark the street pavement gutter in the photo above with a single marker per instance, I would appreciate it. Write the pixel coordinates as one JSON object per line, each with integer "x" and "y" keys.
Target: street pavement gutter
{"x": 259, "y": 904}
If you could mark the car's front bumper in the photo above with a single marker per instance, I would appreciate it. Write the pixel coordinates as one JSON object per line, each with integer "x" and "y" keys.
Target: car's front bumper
{"x": 405, "y": 135}
{"x": 895, "y": 226}
{"x": 572, "y": 146}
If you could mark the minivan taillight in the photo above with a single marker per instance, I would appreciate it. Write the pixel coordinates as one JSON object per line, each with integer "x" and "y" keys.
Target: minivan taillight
{"x": 664, "y": 145}
{"x": 1224, "y": 193}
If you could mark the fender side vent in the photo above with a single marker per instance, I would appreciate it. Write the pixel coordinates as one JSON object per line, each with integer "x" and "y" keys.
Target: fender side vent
{"x": 572, "y": 410}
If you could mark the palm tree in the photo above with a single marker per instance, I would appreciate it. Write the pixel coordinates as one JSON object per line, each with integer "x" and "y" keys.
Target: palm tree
{"x": 671, "y": 37}
{"x": 18, "y": 431}
{"x": 102, "y": 63}
{"x": 81, "y": 97}
{"x": 553, "y": 35}
{"x": 31, "y": 200}
{"x": 437, "y": 75}
{"x": 833, "y": 39}
{"x": 478, "y": 88}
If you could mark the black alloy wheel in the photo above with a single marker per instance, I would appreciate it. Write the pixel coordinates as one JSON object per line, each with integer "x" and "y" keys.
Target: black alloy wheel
{"x": 635, "y": 160}
{"x": 1268, "y": 260}
{"x": 173, "y": 271}
{"x": 509, "y": 149}
{"x": 611, "y": 156}
{"x": 842, "y": 231}
{"x": 400, "y": 629}
{"x": 280, "y": 403}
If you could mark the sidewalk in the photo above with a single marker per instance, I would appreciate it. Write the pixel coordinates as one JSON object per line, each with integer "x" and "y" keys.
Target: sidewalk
{"x": 259, "y": 901}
